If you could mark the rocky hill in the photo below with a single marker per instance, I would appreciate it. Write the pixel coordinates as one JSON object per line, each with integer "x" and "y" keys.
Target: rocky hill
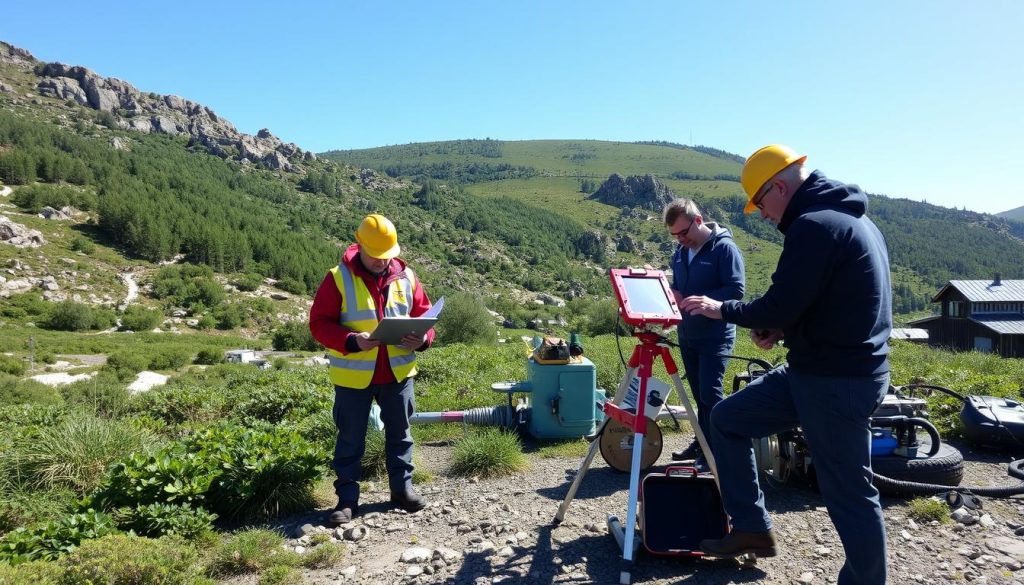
{"x": 645, "y": 192}
{"x": 128, "y": 108}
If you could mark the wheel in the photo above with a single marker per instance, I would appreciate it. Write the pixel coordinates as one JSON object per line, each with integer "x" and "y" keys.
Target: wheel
{"x": 946, "y": 467}
{"x": 617, "y": 445}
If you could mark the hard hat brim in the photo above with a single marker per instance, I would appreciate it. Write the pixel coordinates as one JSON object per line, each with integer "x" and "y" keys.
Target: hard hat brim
{"x": 385, "y": 255}
{"x": 795, "y": 158}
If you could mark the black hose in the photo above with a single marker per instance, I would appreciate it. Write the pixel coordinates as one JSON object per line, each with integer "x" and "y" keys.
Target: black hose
{"x": 947, "y": 391}
{"x": 926, "y": 489}
{"x": 925, "y": 424}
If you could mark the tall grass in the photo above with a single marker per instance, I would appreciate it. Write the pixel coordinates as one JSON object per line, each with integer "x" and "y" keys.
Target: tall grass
{"x": 488, "y": 453}
{"x": 76, "y": 451}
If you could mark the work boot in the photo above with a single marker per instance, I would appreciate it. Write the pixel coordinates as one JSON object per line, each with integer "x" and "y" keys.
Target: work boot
{"x": 688, "y": 453}
{"x": 408, "y": 500}
{"x": 738, "y": 543}
{"x": 701, "y": 464}
{"x": 343, "y": 513}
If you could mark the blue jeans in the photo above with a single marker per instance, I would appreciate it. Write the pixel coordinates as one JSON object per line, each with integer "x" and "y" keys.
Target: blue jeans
{"x": 704, "y": 362}
{"x": 834, "y": 415}
{"x": 351, "y": 415}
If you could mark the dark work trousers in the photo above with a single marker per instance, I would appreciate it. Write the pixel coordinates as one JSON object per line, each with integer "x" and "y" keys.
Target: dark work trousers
{"x": 834, "y": 415}
{"x": 351, "y": 414}
{"x": 704, "y": 362}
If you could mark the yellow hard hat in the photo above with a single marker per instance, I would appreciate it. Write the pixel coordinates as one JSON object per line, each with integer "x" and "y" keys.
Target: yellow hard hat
{"x": 377, "y": 237}
{"x": 763, "y": 165}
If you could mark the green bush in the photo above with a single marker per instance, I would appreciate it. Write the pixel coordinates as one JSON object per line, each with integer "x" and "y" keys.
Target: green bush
{"x": 250, "y": 551}
{"x": 103, "y": 395}
{"x": 131, "y": 560}
{"x": 55, "y": 538}
{"x": 179, "y": 403}
{"x": 465, "y": 320}
{"x": 170, "y": 358}
{"x": 275, "y": 403}
{"x": 488, "y": 453}
{"x": 22, "y": 504}
{"x": 12, "y": 365}
{"x": 155, "y": 520}
{"x": 139, "y": 318}
{"x": 14, "y": 392}
{"x": 206, "y": 322}
{"x": 34, "y": 572}
{"x": 70, "y": 316}
{"x": 75, "y": 452}
{"x": 295, "y": 336}
{"x": 83, "y": 244}
{"x": 927, "y": 509}
{"x": 229, "y": 316}
{"x": 125, "y": 364}
{"x": 262, "y": 474}
{"x": 248, "y": 282}
{"x": 25, "y": 305}
{"x": 209, "y": 356}
{"x": 292, "y": 285}
{"x": 171, "y": 475}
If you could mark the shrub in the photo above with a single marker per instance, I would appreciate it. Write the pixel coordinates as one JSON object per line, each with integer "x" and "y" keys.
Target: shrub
{"x": 927, "y": 509}
{"x": 139, "y": 318}
{"x": 22, "y": 504}
{"x": 126, "y": 363}
{"x": 83, "y": 244}
{"x": 262, "y": 474}
{"x": 12, "y": 365}
{"x": 465, "y": 320}
{"x": 276, "y": 402}
{"x": 52, "y": 539}
{"x": 169, "y": 358}
{"x": 209, "y": 356}
{"x": 35, "y": 572}
{"x": 295, "y": 336}
{"x": 15, "y": 392}
{"x": 229, "y": 316}
{"x": 292, "y": 285}
{"x": 248, "y": 282}
{"x": 206, "y": 322}
{"x": 157, "y": 520}
{"x": 250, "y": 551}
{"x": 489, "y": 453}
{"x": 126, "y": 559}
{"x": 104, "y": 395}
{"x": 172, "y": 475}
{"x": 70, "y": 316}
{"x": 76, "y": 451}
{"x": 181, "y": 403}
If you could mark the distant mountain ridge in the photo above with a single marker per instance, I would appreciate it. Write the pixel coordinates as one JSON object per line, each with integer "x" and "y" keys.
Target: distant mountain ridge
{"x": 1016, "y": 214}
{"x": 127, "y": 108}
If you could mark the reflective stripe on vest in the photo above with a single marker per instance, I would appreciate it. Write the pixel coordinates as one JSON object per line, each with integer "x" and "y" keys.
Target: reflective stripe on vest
{"x": 359, "y": 313}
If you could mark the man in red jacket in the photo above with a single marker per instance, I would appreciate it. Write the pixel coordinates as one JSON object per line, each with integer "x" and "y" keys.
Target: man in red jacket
{"x": 370, "y": 283}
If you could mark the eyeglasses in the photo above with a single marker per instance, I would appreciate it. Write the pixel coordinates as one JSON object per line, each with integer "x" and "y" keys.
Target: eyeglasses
{"x": 759, "y": 200}
{"x": 682, "y": 233}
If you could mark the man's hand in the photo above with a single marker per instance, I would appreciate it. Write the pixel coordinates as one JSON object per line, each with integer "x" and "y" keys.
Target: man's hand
{"x": 413, "y": 341}
{"x": 706, "y": 306}
{"x": 364, "y": 342}
{"x": 679, "y": 298}
{"x": 765, "y": 338}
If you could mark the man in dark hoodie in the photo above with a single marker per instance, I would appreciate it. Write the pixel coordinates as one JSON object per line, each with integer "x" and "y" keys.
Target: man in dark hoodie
{"x": 831, "y": 301}
{"x": 706, "y": 262}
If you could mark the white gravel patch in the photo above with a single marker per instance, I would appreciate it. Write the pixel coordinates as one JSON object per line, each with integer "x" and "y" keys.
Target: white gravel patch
{"x": 146, "y": 380}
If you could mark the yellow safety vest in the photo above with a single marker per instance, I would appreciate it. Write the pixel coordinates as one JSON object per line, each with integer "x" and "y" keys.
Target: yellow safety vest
{"x": 358, "y": 313}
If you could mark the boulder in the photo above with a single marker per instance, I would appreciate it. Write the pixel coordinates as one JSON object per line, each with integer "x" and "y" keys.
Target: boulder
{"x": 18, "y": 235}
{"x": 645, "y": 192}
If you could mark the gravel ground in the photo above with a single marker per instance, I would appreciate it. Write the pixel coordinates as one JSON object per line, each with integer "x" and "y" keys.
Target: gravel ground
{"x": 500, "y": 531}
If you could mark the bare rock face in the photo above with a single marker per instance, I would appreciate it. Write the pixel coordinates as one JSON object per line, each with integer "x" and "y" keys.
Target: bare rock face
{"x": 147, "y": 113}
{"x": 18, "y": 235}
{"x": 645, "y": 192}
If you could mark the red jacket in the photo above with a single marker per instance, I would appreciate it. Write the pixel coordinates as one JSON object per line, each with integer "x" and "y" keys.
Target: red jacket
{"x": 325, "y": 313}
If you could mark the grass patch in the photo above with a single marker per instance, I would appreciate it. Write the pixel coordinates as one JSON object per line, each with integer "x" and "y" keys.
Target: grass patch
{"x": 280, "y": 575}
{"x": 927, "y": 509}
{"x": 250, "y": 551}
{"x": 562, "y": 448}
{"x": 123, "y": 558}
{"x": 488, "y": 453}
{"x": 323, "y": 556}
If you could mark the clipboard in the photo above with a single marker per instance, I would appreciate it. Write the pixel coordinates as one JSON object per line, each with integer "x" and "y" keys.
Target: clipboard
{"x": 391, "y": 330}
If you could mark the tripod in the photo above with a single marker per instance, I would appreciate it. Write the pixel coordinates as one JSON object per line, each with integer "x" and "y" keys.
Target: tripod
{"x": 650, "y": 346}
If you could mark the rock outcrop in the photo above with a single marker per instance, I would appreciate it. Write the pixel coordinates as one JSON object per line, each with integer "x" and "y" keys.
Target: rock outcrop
{"x": 137, "y": 111}
{"x": 645, "y": 192}
{"x": 18, "y": 235}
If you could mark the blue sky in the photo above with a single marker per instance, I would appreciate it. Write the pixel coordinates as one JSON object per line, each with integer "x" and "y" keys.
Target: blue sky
{"x": 911, "y": 99}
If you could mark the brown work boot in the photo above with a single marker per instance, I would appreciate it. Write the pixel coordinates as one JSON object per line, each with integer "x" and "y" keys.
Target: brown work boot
{"x": 738, "y": 543}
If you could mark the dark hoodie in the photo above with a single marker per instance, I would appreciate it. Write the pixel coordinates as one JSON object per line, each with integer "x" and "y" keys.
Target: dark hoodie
{"x": 716, "y": 271}
{"x": 831, "y": 293}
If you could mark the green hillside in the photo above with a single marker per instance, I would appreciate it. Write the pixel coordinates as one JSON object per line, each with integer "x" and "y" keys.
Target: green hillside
{"x": 1015, "y": 214}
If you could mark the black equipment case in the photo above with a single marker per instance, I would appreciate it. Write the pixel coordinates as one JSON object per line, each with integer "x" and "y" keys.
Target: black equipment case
{"x": 679, "y": 508}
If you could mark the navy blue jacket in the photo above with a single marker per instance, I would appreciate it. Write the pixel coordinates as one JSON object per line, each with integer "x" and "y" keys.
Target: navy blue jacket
{"x": 716, "y": 272}
{"x": 831, "y": 293}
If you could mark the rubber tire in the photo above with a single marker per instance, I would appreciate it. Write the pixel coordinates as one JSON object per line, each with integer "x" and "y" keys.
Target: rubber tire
{"x": 945, "y": 468}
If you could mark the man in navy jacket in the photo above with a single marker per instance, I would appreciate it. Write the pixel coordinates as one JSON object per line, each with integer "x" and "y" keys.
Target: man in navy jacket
{"x": 706, "y": 262}
{"x": 831, "y": 301}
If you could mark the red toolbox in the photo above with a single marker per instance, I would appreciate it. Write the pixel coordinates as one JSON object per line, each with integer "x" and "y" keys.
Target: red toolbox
{"x": 679, "y": 508}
